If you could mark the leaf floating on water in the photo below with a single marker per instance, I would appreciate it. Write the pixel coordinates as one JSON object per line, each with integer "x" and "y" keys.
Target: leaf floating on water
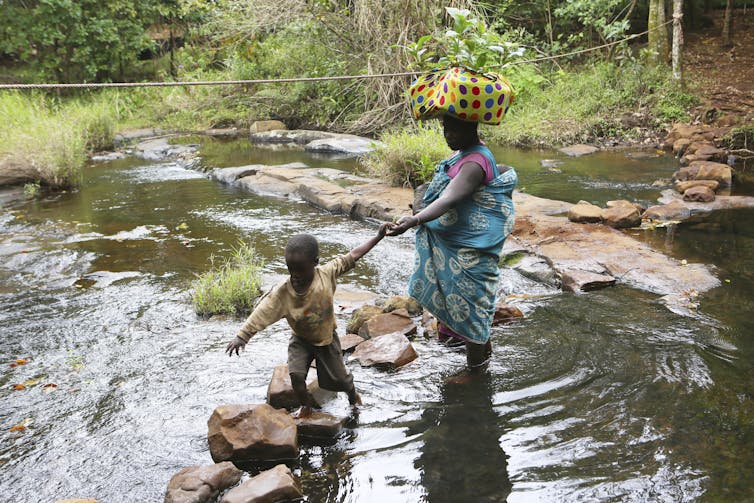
{"x": 33, "y": 381}
{"x": 49, "y": 387}
{"x": 22, "y": 361}
{"x": 19, "y": 387}
{"x": 18, "y": 427}
{"x": 182, "y": 226}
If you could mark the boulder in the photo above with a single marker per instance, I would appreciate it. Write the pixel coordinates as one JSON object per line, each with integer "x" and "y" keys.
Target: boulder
{"x": 505, "y": 313}
{"x": 410, "y": 304}
{"x": 686, "y": 173}
{"x": 584, "y": 281}
{"x": 623, "y": 202}
{"x": 579, "y": 150}
{"x": 319, "y": 424}
{"x": 202, "y": 484}
{"x": 707, "y": 170}
{"x": 667, "y": 212}
{"x": 679, "y": 131}
{"x": 387, "y": 351}
{"x": 621, "y": 217}
{"x": 684, "y": 186}
{"x": 699, "y": 194}
{"x": 361, "y": 316}
{"x": 13, "y": 172}
{"x": 247, "y": 433}
{"x": 349, "y": 342}
{"x": 711, "y": 152}
{"x": 585, "y": 212}
{"x": 270, "y": 486}
{"x": 264, "y": 126}
{"x": 280, "y": 390}
{"x": 680, "y": 146}
{"x": 387, "y": 323}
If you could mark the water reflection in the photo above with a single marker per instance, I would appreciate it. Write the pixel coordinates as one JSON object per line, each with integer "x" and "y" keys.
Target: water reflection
{"x": 461, "y": 457}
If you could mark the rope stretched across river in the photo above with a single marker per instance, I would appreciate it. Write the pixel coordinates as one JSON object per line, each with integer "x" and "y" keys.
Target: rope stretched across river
{"x": 102, "y": 85}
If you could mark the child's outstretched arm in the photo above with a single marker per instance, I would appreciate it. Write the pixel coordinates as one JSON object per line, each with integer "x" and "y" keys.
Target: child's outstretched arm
{"x": 266, "y": 313}
{"x": 367, "y": 245}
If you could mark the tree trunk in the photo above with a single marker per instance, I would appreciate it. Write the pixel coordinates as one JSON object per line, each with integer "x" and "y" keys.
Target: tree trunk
{"x": 653, "y": 33}
{"x": 677, "y": 41}
{"x": 727, "y": 20}
{"x": 662, "y": 33}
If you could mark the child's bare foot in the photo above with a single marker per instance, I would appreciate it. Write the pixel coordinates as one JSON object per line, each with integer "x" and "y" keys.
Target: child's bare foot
{"x": 355, "y": 399}
{"x": 302, "y": 413}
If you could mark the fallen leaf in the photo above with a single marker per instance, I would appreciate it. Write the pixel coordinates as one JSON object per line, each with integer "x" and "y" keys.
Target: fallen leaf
{"x": 50, "y": 385}
{"x": 19, "y": 387}
{"x": 33, "y": 382}
{"x": 18, "y": 427}
{"x": 12, "y": 365}
{"x": 182, "y": 226}
{"x": 21, "y": 361}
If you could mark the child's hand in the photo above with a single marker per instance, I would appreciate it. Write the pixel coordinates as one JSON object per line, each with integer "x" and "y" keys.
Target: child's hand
{"x": 384, "y": 228}
{"x": 402, "y": 225}
{"x": 236, "y": 345}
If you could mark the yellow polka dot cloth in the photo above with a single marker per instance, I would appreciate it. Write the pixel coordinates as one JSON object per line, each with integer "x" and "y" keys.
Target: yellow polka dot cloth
{"x": 470, "y": 96}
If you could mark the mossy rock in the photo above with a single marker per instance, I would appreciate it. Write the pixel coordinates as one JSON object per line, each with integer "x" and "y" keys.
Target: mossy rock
{"x": 361, "y": 316}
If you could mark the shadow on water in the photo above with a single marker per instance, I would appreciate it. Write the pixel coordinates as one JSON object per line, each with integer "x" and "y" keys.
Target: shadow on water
{"x": 606, "y": 396}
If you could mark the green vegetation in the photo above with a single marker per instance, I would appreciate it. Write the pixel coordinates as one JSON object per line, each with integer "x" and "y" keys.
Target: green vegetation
{"x": 570, "y": 99}
{"x": 408, "y": 156}
{"x": 48, "y": 139}
{"x": 588, "y": 103}
{"x": 231, "y": 285}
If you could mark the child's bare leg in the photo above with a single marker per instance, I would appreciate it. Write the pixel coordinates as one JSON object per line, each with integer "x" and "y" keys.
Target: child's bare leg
{"x": 353, "y": 397}
{"x": 298, "y": 381}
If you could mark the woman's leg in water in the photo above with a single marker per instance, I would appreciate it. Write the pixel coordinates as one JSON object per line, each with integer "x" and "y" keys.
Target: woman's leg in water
{"x": 478, "y": 356}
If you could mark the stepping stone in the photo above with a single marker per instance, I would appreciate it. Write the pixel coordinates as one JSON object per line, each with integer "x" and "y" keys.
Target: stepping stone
{"x": 585, "y": 212}
{"x": 196, "y": 484}
{"x": 250, "y": 433}
{"x": 319, "y": 424}
{"x": 389, "y": 351}
{"x": 277, "y": 484}
{"x": 361, "y": 316}
{"x": 349, "y": 342}
{"x": 387, "y": 323}
{"x": 505, "y": 313}
{"x": 280, "y": 392}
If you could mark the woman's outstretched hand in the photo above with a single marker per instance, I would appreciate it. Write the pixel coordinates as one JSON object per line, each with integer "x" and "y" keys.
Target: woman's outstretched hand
{"x": 402, "y": 225}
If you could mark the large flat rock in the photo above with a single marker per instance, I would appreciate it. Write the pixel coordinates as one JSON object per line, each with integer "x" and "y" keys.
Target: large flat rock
{"x": 277, "y": 484}
{"x": 542, "y": 229}
{"x": 670, "y": 196}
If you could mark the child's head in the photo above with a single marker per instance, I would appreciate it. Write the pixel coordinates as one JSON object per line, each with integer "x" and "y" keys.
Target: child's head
{"x": 301, "y": 257}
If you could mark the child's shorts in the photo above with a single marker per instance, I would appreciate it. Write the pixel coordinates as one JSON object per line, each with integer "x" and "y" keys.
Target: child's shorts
{"x": 332, "y": 373}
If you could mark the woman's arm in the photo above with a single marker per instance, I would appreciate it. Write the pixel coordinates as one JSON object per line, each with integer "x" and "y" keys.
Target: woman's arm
{"x": 469, "y": 177}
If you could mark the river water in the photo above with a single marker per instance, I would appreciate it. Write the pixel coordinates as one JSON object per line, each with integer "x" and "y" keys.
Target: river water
{"x": 605, "y": 396}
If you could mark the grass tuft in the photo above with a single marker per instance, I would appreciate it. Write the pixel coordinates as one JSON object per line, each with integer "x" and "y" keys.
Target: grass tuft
{"x": 408, "y": 157}
{"x": 231, "y": 285}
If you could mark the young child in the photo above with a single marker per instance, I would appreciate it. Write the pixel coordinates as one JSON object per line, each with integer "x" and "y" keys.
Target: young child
{"x": 305, "y": 300}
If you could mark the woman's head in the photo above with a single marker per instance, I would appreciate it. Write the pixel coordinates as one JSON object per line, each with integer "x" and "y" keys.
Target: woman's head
{"x": 459, "y": 134}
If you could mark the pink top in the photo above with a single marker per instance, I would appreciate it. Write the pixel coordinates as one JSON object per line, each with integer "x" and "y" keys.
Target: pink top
{"x": 478, "y": 158}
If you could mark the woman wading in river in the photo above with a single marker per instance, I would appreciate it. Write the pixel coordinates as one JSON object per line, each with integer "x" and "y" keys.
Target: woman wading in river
{"x": 468, "y": 214}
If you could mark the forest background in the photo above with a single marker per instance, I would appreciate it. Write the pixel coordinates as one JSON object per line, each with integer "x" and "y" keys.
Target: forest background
{"x": 623, "y": 90}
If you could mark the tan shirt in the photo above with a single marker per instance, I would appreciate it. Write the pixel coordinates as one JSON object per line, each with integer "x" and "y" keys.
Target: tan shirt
{"x": 310, "y": 315}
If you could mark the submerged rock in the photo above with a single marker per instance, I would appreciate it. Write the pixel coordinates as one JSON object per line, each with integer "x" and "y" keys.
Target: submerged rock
{"x": 270, "y": 486}
{"x": 579, "y": 150}
{"x": 202, "y": 484}
{"x": 584, "y": 281}
{"x": 343, "y": 144}
{"x": 249, "y": 433}
{"x": 387, "y": 323}
{"x": 505, "y": 313}
{"x": 387, "y": 351}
